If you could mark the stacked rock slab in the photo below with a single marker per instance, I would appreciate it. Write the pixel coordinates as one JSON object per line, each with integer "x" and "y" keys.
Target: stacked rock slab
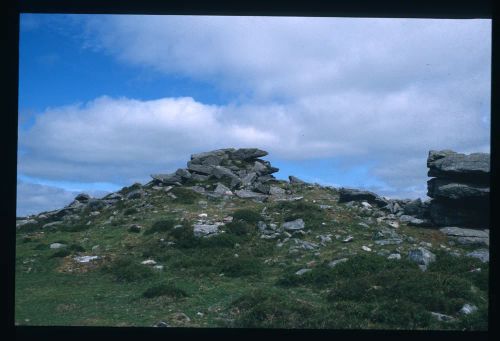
{"x": 460, "y": 189}
{"x": 235, "y": 168}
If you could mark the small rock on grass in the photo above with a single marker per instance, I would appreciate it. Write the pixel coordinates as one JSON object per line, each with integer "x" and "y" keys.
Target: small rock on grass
{"x": 302, "y": 271}
{"x": 468, "y": 309}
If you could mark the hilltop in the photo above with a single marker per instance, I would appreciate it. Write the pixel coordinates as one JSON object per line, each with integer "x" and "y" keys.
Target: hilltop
{"x": 223, "y": 243}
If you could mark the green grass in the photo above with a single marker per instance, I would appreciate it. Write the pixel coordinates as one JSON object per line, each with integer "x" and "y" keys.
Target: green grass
{"x": 257, "y": 288}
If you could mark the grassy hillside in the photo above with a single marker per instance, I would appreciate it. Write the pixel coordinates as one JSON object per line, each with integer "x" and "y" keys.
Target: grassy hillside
{"x": 239, "y": 278}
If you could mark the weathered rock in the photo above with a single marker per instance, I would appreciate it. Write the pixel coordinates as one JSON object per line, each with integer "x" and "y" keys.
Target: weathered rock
{"x": 448, "y": 189}
{"x": 135, "y": 228}
{"x": 346, "y": 195}
{"x": 222, "y": 190}
{"x": 442, "y": 317}
{"x": 247, "y": 153}
{"x": 416, "y": 208}
{"x": 82, "y": 197}
{"x": 467, "y": 236}
{"x": 277, "y": 191}
{"x": 482, "y": 254}
{"x": 302, "y": 271}
{"x": 334, "y": 263}
{"x": 295, "y": 180}
{"x": 248, "y": 179}
{"x": 197, "y": 168}
{"x": 21, "y": 223}
{"x": 250, "y": 195}
{"x": 183, "y": 173}
{"x": 203, "y": 230}
{"x": 452, "y": 165}
{"x": 199, "y": 177}
{"x": 86, "y": 259}
{"x": 57, "y": 245}
{"x": 293, "y": 225}
{"x": 460, "y": 213}
{"x": 468, "y": 309}
{"x": 168, "y": 179}
{"x": 262, "y": 188}
{"x": 422, "y": 257}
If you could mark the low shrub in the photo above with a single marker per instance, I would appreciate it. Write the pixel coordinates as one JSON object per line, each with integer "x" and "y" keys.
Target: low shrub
{"x": 240, "y": 228}
{"x": 185, "y": 195}
{"x": 164, "y": 225}
{"x": 127, "y": 269}
{"x": 246, "y": 215}
{"x": 273, "y": 309}
{"x": 74, "y": 227}
{"x": 164, "y": 289}
{"x": 240, "y": 266}
{"x": 130, "y": 211}
{"x": 61, "y": 253}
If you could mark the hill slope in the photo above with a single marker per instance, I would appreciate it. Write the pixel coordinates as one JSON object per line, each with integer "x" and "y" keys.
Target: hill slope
{"x": 242, "y": 249}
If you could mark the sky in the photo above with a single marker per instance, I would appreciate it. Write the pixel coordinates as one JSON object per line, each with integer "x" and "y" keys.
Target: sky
{"x": 107, "y": 100}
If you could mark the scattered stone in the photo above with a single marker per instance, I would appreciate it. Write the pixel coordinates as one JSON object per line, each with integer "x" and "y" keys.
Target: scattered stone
{"x": 394, "y": 256}
{"x": 135, "y": 228}
{"x": 467, "y": 236}
{"x": 334, "y": 263}
{"x": 277, "y": 191}
{"x": 346, "y": 195}
{"x": 85, "y": 259}
{"x": 482, "y": 254}
{"x": 57, "y": 245}
{"x": 366, "y": 248}
{"x": 348, "y": 239}
{"x": 222, "y": 190}
{"x": 52, "y": 224}
{"x": 393, "y": 241}
{"x": 422, "y": 257}
{"x": 161, "y": 324}
{"x": 302, "y": 271}
{"x": 468, "y": 309}
{"x": 442, "y": 317}
{"x": 148, "y": 262}
{"x": 250, "y": 194}
{"x": 293, "y": 225}
{"x": 365, "y": 225}
{"x": 365, "y": 204}
{"x": 203, "y": 230}
{"x": 158, "y": 267}
{"x": 325, "y": 238}
{"x": 393, "y": 224}
{"x": 305, "y": 244}
{"x": 21, "y": 223}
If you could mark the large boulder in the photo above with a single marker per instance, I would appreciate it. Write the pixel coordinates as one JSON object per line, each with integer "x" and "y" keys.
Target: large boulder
{"x": 452, "y": 165}
{"x": 460, "y": 190}
{"x": 347, "y": 194}
{"x": 247, "y": 153}
{"x": 168, "y": 179}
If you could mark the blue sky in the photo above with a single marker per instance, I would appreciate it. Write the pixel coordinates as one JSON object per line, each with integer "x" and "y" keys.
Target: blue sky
{"x": 104, "y": 101}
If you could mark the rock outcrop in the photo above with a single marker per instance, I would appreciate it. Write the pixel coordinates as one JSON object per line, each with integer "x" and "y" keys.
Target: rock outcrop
{"x": 238, "y": 169}
{"x": 460, "y": 189}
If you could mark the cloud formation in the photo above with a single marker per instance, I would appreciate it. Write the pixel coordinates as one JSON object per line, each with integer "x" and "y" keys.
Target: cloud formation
{"x": 377, "y": 92}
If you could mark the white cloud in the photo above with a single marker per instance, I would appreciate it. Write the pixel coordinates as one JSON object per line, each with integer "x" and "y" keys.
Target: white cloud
{"x": 375, "y": 91}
